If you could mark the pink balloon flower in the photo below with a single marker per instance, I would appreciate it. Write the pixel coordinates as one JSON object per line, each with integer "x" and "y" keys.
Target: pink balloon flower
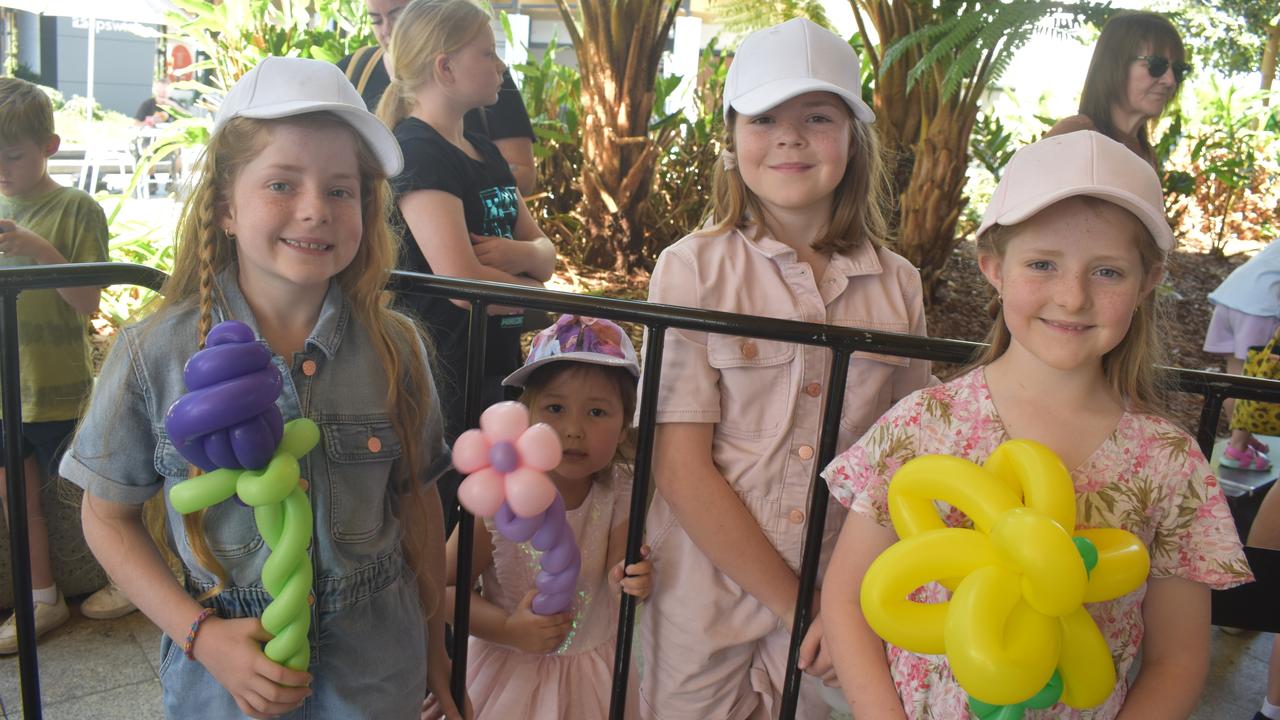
{"x": 507, "y": 460}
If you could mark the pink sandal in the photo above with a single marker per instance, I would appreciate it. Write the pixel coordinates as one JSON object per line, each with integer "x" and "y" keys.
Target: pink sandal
{"x": 1258, "y": 445}
{"x": 1246, "y": 459}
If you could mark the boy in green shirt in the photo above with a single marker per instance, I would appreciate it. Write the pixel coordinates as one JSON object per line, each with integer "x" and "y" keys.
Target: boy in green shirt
{"x": 43, "y": 223}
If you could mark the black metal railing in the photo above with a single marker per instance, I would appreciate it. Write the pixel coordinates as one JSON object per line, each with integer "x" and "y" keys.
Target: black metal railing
{"x": 842, "y": 342}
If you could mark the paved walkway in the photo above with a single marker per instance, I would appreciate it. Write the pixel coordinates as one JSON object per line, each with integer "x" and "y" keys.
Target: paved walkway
{"x": 107, "y": 670}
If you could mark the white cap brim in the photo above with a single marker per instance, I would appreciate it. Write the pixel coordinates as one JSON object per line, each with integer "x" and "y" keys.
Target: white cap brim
{"x": 521, "y": 376}
{"x": 773, "y": 94}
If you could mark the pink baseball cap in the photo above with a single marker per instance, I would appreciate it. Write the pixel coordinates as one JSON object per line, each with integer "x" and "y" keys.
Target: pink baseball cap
{"x": 776, "y": 64}
{"x": 1079, "y": 163}
{"x": 578, "y": 339}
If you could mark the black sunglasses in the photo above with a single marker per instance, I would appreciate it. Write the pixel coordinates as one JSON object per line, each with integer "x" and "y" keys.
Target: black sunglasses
{"x": 1158, "y": 65}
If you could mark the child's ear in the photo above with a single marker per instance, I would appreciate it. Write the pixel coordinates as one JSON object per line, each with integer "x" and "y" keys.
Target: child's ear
{"x": 1154, "y": 277}
{"x": 990, "y": 266}
{"x": 443, "y": 70}
{"x": 52, "y": 144}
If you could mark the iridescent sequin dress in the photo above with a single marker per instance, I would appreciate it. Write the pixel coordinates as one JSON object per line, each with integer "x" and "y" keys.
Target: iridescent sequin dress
{"x": 573, "y": 682}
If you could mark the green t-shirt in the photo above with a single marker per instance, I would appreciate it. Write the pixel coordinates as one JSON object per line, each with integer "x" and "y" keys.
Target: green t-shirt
{"x": 53, "y": 342}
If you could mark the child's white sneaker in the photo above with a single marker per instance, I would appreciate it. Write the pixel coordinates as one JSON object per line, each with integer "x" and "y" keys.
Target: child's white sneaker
{"x": 109, "y": 602}
{"x": 48, "y": 617}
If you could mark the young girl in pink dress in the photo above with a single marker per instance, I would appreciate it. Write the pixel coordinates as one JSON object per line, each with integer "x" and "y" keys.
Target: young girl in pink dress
{"x": 580, "y": 378}
{"x": 1073, "y": 243}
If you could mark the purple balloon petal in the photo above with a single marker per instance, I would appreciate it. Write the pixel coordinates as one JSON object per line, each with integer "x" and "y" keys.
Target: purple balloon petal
{"x": 552, "y": 604}
{"x": 252, "y": 442}
{"x": 504, "y": 457}
{"x": 193, "y": 452}
{"x": 229, "y": 331}
{"x": 275, "y": 423}
{"x": 222, "y": 405}
{"x": 217, "y": 445}
{"x": 217, "y": 364}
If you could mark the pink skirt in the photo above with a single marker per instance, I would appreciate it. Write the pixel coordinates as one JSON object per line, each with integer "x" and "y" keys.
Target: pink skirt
{"x": 1232, "y": 332}
{"x": 504, "y": 683}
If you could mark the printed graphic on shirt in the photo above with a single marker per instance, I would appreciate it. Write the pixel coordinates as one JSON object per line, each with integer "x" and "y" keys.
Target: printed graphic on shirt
{"x": 499, "y": 211}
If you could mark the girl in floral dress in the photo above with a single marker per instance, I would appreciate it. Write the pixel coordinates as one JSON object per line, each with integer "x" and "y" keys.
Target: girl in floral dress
{"x": 1073, "y": 243}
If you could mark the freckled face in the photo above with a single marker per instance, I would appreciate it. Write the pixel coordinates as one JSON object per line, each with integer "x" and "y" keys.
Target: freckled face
{"x": 1070, "y": 281}
{"x": 295, "y": 208}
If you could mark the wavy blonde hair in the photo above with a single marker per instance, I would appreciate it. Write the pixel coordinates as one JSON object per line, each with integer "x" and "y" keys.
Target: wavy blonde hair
{"x": 425, "y": 30}
{"x": 203, "y": 250}
{"x": 858, "y": 211}
{"x": 1131, "y": 366}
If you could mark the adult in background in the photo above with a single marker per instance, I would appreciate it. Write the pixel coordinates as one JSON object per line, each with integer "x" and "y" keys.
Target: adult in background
{"x": 1138, "y": 66}
{"x": 506, "y": 122}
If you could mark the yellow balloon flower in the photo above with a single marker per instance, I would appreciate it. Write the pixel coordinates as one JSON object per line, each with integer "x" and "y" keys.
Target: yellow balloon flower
{"x": 1018, "y": 579}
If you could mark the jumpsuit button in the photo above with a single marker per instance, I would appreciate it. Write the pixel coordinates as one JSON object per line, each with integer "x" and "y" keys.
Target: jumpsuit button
{"x": 374, "y": 444}
{"x": 749, "y": 350}
{"x": 805, "y": 452}
{"x": 813, "y": 389}
{"x": 309, "y": 368}
{"x": 303, "y": 484}
{"x": 796, "y": 516}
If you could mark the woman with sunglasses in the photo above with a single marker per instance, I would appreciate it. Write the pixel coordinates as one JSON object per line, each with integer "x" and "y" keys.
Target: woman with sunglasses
{"x": 1138, "y": 66}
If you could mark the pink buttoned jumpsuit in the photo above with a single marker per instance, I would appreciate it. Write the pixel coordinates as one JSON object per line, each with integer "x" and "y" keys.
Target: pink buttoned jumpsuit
{"x": 708, "y": 650}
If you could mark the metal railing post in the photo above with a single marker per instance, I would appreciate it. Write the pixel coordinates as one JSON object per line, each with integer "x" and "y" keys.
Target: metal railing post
{"x": 19, "y": 546}
{"x": 476, "y": 344}
{"x": 642, "y": 474}
{"x": 812, "y": 554}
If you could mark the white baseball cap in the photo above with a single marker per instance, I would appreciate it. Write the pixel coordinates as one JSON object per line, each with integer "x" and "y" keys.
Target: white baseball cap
{"x": 795, "y": 57}
{"x": 281, "y": 87}
{"x": 1079, "y": 163}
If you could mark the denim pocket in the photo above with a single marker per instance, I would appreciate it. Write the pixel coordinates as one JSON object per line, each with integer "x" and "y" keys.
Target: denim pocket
{"x": 362, "y": 451}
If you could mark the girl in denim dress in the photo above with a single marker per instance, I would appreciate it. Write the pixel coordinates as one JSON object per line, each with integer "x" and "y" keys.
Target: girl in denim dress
{"x": 286, "y": 232}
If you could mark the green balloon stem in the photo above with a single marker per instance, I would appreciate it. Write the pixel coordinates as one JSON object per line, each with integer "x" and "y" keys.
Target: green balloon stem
{"x": 1088, "y": 553}
{"x": 1047, "y": 697}
{"x": 282, "y": 512}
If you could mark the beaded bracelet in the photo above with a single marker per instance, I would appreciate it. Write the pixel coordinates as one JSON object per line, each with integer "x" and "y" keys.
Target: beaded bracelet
{"x": 190, "y": 642}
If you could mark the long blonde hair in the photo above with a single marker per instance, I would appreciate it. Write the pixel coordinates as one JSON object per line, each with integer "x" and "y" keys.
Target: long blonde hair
{"x": 425, "y": 30}
{"x": 858, "y": 208}
{"x": 203, "y": 250}
{"x": 1130, "y": 367}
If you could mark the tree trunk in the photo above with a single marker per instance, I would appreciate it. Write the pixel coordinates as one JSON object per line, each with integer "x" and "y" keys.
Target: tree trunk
{"x": 619, "y": 45}
{"x": 926, "y": 139}
{"x": 1269, "y": 56}
{"x": 934, "y": 197}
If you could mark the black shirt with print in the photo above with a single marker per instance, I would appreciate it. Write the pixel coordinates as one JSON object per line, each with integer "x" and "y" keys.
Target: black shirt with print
{"x": 490, "y": 204}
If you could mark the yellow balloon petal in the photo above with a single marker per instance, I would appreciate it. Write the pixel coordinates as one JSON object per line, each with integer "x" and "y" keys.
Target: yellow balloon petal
{"x": 1088, "y": 673}
{"x": 1123, "y": 564}
{"x": 1040, "y": 479}
{"x": 1001, "y": 650}
{"x": 909, "y": 564}
{"x": 1031, "y": 544}
{"x": 953, "y": 480}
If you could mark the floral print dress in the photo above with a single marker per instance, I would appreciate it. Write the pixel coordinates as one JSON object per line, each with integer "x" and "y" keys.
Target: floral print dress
{"x": 1147, "y": 477}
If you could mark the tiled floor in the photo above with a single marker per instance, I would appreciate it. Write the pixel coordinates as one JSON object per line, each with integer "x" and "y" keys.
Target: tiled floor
{"x": 106, "y": 670}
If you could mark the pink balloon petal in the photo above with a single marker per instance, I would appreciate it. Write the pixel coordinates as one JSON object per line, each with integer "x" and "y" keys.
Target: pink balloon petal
{"x": 539, "y": 447}
{"x": 529, "y": 491}
{"x": 470, "y": 451}
{"x": 481, "y": 493}
{"x": 504, "y": 421}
